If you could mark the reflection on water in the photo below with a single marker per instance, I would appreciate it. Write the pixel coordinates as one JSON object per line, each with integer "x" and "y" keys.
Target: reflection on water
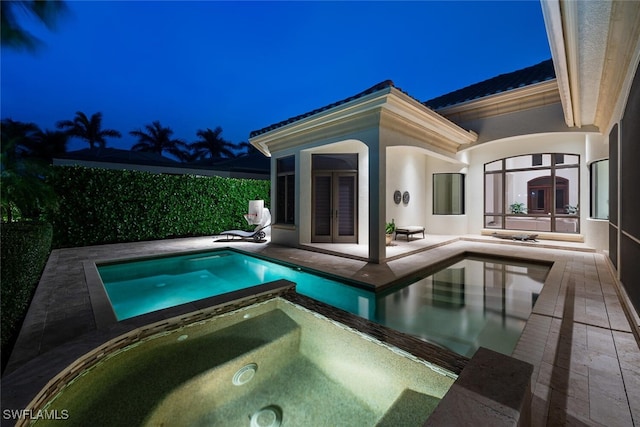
{"x": 472, "y": 303}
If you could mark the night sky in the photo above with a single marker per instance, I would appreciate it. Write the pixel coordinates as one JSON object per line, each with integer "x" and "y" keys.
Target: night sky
{"x": 246, "y": 65}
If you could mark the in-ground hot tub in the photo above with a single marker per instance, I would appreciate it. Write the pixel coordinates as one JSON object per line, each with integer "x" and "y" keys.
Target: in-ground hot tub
{"x": 270, "y": 363}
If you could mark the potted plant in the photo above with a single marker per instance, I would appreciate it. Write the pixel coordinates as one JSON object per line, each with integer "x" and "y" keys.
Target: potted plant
{"x": 390, "y": 227}
{"x": 571, "y": 210}
{"x": 518, "y": 208}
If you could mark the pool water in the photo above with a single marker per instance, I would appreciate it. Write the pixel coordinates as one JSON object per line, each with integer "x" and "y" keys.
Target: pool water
{"x": 140, "y": 287}
{"x": 273, "y": 360}
{"x": 474, "y": 302}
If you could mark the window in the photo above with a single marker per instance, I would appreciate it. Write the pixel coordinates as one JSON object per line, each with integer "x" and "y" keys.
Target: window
{"x": 537, "y": 192}
{"x": 600, "y": 189}
{"x": 285, "y": 190}
{"x": 448, "y": 194}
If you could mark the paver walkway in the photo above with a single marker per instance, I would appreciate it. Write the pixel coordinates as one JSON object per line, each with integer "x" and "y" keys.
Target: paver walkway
{"x": 586, "y": 358}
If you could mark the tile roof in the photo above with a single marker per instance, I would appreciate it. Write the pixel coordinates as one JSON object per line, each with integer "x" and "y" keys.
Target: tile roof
{"x": 383, "y": 85}
{"x": 504, "y": 82}
{"x": 254, "y": 163}
{"x": 115, "y": 155}
{"x": 250, "y": 163}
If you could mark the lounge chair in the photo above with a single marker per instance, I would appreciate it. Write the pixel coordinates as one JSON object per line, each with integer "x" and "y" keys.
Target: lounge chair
{"x": 258, "y": 215}
{"x": 257, "y": 234}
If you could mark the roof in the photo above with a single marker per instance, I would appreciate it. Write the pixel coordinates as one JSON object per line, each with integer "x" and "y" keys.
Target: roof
{"x": 383, "y": 85}
{"x": 115, "y": 155}
{"x": 504, "y": 82}
{"x": 255, "y": 163}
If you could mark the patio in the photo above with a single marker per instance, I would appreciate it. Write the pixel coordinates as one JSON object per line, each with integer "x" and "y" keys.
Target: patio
{"x": 578, "y": 338}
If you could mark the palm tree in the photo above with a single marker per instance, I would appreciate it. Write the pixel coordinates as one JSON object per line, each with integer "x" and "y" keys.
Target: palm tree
{"x": 13, "y": 33}
{"x": 47, "y": 144}
{"x": 157, "y": 139}
{"x": 88, "y": 129}
{"x": 247, "y": 148}
{"x": 24, "y": 192}
{"x": 211, "y": 146}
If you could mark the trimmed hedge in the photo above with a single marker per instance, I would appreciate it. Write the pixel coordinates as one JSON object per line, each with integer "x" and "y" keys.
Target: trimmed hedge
{"x": 98, "y": 206}
{"x": 24, "y": 252}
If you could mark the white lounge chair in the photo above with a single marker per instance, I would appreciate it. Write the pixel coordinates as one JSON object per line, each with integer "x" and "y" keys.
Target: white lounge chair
{"x": 258, "y": 215}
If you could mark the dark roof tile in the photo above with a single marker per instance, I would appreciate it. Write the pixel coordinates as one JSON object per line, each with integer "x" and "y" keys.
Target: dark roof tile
{"x": 527, "y": 76}
{"x": 115, "y": 155}
{"x": 372, "y": 89}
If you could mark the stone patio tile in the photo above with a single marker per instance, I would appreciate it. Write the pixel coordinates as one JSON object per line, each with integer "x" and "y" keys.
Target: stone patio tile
{"x": 568, "y": 410}
{"x": 600, "y": 340}
{"x": 608, "y": 410}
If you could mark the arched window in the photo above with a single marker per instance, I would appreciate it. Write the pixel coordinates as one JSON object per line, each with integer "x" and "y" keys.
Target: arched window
{"x": 534, "y": 192}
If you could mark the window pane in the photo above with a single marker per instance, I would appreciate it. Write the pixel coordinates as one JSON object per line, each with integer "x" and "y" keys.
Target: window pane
{"x": 567, "y": 225}
{"x": 558, "y": 158}
{"x": 570, "y": 159}
{"x": 334, "y": 162}
{"x": 567, "y": 197}
{"x": 493, "y": 221}
{"x": 600, "y": 189}
{"x": 518, "y": 162}
{"x": 287, "y": 164}
{"x": 281, "y": 199}
{"x": 493, "y": 193}
{"x": 523, "y": 162}
{"x": 528, "y": 223}
{"x": 493, "y": 166}
{"x": 291, "y": 199}
{"x": 322, "y": 205}
{"x": 285, "y": 190}
{"x": 516, "y": 190}
{"x": 448, "y": 194}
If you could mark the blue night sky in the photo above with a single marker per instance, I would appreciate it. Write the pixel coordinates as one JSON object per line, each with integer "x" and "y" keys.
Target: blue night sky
{"x": 246, "y": 65}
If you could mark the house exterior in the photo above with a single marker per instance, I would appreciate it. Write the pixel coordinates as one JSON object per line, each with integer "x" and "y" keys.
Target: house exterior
{"x": 551, "y": 149}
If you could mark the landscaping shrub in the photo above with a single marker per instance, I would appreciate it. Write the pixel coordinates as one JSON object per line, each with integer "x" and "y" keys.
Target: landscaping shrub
{"x": 97, "y": 206}
{"x": 24, "y": 252}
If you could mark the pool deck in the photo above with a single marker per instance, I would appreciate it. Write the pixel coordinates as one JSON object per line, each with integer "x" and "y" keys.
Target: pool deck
{"x": 580, "y": 339}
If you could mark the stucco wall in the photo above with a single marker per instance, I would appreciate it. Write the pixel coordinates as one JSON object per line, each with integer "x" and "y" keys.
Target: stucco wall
{"x": 572, "y": 143}
{"x": 406, "y": 171}
{"x": 548, "y": 118}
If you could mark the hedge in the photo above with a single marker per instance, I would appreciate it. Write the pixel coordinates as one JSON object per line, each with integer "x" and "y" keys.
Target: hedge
{"x": 24, "y": 252}
{"x": 98, "y": 206}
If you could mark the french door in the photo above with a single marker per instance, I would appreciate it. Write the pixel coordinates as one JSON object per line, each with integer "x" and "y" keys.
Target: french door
{"x": 334, "y": 201}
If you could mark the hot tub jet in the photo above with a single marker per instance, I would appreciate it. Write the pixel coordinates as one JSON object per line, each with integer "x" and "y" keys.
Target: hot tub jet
{"x": 245, "y": 374}
{"x": 269, "y": 416}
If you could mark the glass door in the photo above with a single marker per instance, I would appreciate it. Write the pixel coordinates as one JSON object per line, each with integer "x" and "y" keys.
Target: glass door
{"x": 334, "y": 202}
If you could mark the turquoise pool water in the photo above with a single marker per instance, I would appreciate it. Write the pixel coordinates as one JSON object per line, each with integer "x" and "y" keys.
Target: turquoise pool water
{"x": 473, "y": 302}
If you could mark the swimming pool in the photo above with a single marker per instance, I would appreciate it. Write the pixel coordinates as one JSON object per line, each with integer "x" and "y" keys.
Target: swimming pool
{"x": 140, "y": 287}
{"x": 472, "y": 302}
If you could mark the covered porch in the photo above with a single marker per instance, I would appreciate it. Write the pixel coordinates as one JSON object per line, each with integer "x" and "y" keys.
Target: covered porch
{"x": 348, "y": 160}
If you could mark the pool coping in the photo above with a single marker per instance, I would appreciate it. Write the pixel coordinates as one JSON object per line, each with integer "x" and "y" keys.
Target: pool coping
{"x": 105, "y": 316}
{"x": 61, "y": 292}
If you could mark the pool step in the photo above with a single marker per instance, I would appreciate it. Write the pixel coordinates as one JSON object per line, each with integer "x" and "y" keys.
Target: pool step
{"x": 410, "y": 409}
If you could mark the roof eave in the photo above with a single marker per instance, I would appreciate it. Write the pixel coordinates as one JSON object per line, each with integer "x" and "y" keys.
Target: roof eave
{"x": 595, "y": 48}
{"x": 531, "y": 96}
{"x": 365, "y": 110}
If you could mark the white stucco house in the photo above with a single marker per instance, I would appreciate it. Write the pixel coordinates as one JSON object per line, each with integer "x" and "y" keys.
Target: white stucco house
{"x": 550, "y": 149}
